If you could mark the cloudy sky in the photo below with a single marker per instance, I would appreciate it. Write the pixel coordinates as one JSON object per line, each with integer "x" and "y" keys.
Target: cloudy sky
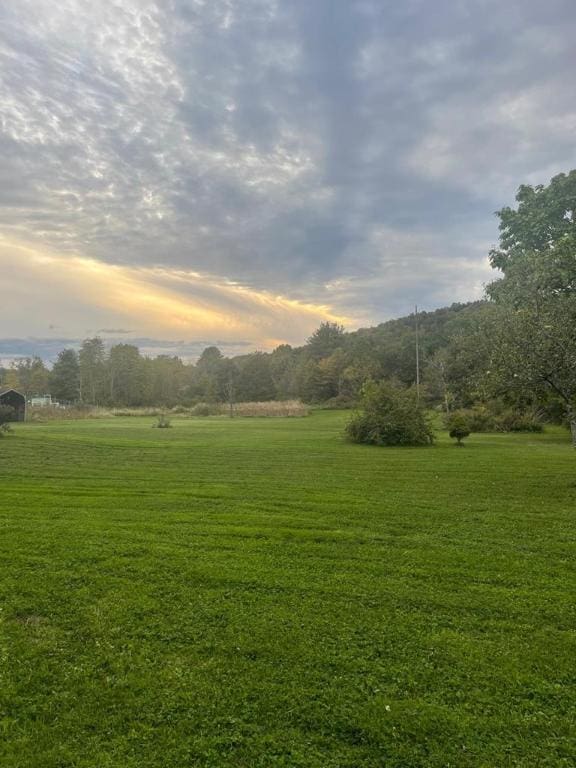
{"x": 182, "y": 172}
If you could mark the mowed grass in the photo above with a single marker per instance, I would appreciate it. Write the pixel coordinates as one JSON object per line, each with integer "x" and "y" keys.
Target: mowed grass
{"x": 261, "y": 593}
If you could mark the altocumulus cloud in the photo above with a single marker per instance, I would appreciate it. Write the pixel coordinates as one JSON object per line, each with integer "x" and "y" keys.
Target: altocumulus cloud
{"x": 246, "y": 168}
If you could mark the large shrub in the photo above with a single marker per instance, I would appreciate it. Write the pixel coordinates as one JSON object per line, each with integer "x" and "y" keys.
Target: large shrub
{"x": 389, "y": 415}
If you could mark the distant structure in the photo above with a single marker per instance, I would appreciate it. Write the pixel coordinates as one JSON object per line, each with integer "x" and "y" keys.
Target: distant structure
{"x": 15, "y": 400}
{"x": 41, "y": 401}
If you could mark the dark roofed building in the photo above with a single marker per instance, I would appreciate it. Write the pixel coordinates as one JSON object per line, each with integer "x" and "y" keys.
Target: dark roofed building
{"x": 16, "y": 401}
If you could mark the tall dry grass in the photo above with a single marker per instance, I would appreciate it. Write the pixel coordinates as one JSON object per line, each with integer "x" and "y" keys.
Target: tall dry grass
{"x": 272, "y": 409}
{"x": 49, "y": 413}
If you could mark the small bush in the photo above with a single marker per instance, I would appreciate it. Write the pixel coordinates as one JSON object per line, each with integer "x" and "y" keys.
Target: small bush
{"x": 5, "y": 428}
{"x": 459, "y": 427}
{"x": 389, "y": 415}
{"x": 162, "y": 422}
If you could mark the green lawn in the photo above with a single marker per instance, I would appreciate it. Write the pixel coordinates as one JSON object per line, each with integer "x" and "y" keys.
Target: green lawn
{"x": 260, "y": 593}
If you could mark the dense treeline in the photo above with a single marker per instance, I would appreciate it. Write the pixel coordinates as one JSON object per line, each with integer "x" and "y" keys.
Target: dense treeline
{"x": 331, "y": 367}
{"x": 515, "y": 350}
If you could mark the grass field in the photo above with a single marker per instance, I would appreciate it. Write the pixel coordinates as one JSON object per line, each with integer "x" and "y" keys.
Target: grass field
{"x": 260, "y": 593}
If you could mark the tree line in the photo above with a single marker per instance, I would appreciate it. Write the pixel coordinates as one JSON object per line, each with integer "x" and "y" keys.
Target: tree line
{"x": 330, "y": 368}
{"x": 515, "y": 349}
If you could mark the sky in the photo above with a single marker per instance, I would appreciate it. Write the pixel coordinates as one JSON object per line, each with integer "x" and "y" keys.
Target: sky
{"x": 178, "y": 173}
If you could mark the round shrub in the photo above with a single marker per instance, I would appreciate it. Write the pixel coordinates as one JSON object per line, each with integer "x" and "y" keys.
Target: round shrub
{"x": 389, "y": 415}
{"x": 459, "y": 428}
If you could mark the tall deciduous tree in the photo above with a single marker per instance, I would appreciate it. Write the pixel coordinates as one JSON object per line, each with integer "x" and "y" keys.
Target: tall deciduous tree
{"x": 92, "y": 358}
{"x": 255, "y": 379}
{"x": 64, "y": 380}
{"x": 11, "y": 380}
{"x": 126, "y": 375}
{"x": 211, "y": 376}
{"x": 166, "y": 380}
{"x": 32, "y": 376}
{"x": 533, "y": 333}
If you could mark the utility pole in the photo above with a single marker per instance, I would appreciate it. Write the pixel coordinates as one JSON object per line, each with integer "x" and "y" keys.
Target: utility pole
{"x": 417, "y": 354}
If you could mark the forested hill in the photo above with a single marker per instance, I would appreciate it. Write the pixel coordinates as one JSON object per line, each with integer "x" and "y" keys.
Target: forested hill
{"x": 335, "y": 363}
{"x": 436, "y": 329}
{"x": 438, "y": 322}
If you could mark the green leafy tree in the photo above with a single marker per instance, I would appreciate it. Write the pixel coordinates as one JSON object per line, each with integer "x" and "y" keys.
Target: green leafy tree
{"x": 333, "y": 368}
{"x": 31, "y": 376}
{"x": 167, "y": 380}
{"x": 283, "y": 369}
{"x": 533, "y": 343}
{"x": 254, "y": 380}
{"x": 126, "y": 370}
{"x": 311, "y": 382}
{"x": 64, "y": 382}
{"x": 544, "y": 223}
{"x": 352, "y": 380}
{"x": 211, "y": 376}
{"x": 209, "y": 359}
{"x": 534, "y": 353}
{"x": 325, "y": 340}
{"x": 10, "y": 379}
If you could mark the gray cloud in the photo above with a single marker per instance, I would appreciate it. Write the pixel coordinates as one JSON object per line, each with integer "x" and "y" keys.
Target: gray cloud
{"x": 347, "y": 153}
